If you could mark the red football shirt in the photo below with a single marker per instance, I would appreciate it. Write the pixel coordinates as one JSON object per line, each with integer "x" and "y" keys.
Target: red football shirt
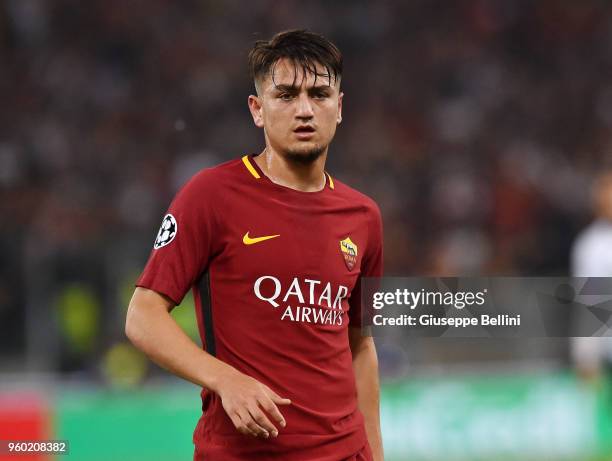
{"x": 275, "y": 274}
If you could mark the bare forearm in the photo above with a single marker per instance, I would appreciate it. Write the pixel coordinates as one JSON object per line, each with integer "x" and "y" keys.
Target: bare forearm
{"x": 251, "y": 405}
{"x": 152, "y": 329}
{"x": 365, "y": 365}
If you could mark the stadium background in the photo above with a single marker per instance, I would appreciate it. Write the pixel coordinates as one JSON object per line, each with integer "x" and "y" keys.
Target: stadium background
{"x": 477, "y": 125}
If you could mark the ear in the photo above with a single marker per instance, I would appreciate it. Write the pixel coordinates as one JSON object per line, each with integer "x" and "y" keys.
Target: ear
{"x": 339, "y": 121}
{"x": 256, "y": 110}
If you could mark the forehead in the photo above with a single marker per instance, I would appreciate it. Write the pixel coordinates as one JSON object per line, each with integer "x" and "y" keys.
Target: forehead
{"x": 290, "y": 73}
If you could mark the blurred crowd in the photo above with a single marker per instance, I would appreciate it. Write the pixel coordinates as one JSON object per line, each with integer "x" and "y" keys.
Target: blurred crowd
{"x": 477, "y": 125}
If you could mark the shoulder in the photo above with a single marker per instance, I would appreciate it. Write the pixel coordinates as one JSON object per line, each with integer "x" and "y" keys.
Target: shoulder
{"x": 596, "y": 235}
{"x": 591, "y": 253}
{"x": 210, "y": 182}
{"x": 205, "y": 188}
{"x": 357, "y": 198}
{"x": 212, "y": 177}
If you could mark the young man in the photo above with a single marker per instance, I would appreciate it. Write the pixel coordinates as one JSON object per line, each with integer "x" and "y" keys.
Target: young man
{"x": 274, "y": 249}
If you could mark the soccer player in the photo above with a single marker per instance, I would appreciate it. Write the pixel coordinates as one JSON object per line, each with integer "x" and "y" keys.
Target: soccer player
{"x": 591, "y": 256}
{"x": 274, "y": 249}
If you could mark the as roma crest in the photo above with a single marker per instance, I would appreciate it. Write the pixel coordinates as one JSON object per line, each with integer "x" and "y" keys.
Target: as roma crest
{"x": 349, "y": 252}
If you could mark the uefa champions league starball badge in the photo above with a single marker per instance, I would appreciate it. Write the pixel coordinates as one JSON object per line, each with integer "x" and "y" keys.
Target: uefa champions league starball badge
{"x": 167, "y": 232}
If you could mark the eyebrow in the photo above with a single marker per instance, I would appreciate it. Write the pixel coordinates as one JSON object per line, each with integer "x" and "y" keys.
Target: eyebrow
{"x": 293, "y": 88}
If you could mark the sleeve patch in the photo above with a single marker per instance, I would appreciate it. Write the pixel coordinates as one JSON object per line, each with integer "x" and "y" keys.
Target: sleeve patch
{"x": 167, "y": 232}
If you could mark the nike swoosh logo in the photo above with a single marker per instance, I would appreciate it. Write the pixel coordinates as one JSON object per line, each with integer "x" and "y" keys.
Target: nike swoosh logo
{"x": 250, "y": 241}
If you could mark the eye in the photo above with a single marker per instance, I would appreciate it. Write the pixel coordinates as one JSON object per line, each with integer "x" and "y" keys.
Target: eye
{"x": 320, "y": 95}
{"x": 285, "y": 96}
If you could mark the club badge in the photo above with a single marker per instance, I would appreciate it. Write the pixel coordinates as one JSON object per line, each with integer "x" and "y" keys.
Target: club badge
{"x": 349, "y": 252}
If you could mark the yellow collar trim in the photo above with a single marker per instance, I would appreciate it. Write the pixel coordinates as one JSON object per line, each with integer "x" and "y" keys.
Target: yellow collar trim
{"x": 252, "y": 170}
{"x": 331, "y": 181}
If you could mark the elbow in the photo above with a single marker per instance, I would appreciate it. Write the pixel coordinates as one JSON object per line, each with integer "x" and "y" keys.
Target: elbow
{"x": 364, "y": 350}
{"x": 128, "y": 329}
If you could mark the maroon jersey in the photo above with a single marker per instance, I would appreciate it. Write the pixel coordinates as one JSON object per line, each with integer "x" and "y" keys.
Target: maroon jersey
{"x": 276, "y": 280}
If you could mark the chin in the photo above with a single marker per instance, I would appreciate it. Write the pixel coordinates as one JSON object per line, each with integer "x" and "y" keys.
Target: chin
{"x": 304, "y": 154}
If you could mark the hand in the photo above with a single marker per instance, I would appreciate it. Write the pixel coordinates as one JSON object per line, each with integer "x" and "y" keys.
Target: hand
{"x": 250, "y": 405}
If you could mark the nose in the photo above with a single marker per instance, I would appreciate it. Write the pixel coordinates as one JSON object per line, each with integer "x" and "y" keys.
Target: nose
{"x": 304, "y": 107}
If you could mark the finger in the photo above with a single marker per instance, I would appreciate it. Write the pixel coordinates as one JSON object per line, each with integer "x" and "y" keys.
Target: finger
{"x": 269, "y": 407}
{"x": 250, "y": 423}
{"x": 277, "y": 398}
{"x": 262, "y": 420}
{"x": 241, "y": 425}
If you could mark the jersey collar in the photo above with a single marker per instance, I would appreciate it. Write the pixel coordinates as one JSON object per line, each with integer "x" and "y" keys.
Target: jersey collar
{"x": 252, "y": 167}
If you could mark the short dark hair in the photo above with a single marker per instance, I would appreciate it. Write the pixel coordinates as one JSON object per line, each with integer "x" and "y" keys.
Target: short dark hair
{"x": 304, "y": 48}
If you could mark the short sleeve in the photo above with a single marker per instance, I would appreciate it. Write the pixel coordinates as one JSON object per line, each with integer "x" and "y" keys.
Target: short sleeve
{"x": 183, "y": 245}
{"x": 588, "y": 255}
{"x": 581, "y": 259}
{"x": 371, "y": 264}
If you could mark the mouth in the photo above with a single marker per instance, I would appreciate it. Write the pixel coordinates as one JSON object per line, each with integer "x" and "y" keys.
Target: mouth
{"x": 304, "y": 131}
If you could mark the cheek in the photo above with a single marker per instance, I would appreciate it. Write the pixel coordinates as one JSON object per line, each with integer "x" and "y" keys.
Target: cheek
{"x": 331, "y": 131}
{"x": 330, "y": 120}
{"x": 330, "y": 111}
{"x": 277, "y": 127}
{"x": 276, "y": 117}
{"x": 270, "y": 120}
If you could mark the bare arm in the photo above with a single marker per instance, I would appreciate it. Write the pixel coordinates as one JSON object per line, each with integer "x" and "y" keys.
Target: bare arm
{"x": 152, "y": 329}
{"x": 365, "y": 366}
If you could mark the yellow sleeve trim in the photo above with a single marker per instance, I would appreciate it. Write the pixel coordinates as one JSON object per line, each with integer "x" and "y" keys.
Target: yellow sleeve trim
{"x": 252, "y": 170}
{"x": 331, "y": 181}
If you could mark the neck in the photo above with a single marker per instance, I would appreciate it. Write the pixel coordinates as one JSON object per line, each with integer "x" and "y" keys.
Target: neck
{"x": 285, "y": 172}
